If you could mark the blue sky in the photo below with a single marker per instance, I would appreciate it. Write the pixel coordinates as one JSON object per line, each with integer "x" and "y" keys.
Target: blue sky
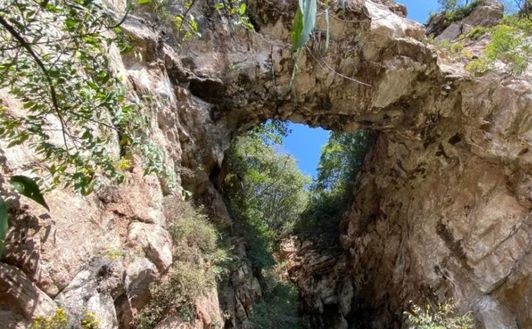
{"x": 305, "y": 143}
{"x": 419, "y": 10}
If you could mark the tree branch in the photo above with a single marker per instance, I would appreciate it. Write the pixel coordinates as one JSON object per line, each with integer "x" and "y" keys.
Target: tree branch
{"x": 53, "y": 93}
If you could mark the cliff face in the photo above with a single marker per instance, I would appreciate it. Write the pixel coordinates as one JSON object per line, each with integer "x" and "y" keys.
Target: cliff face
{"x": 442, "y": 208}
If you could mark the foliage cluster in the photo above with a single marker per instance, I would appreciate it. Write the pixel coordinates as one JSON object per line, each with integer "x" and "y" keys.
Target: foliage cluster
{"x": 59, "y": 320}
{"x": 510, "y": 42}
{"x": 179, "y": 15}
{"x": 443, "y": 316}
{"x": 341, "y": 160}
{"x": 455, "y": 10}
{"x": 194, "y": 273}
{"x": 264, "y": 189}
{"x": 54, "y": 59}
{"x": 279, "y": 308}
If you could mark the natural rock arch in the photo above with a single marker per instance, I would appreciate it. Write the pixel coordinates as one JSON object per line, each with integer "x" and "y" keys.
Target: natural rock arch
{"x": 443, "y": 205}
{"x": 442, "y": 208}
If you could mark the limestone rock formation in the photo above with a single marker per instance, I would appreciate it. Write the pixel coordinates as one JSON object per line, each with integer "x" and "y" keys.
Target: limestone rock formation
{"x": 442, "y": 208}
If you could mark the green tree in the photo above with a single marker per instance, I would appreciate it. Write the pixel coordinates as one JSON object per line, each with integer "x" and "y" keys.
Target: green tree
{"x": 265, "y": 189}
{"x": 448, "y": 5}
{"x": 54, "y": 59}
{"x": 341, "y": 160}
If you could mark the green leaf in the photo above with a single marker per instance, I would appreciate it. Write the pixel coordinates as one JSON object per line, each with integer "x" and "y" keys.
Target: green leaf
{"x": 29, "y": 188}
{"x": 297, "y": 29}
{"x": 242, "y": 9}
{"x": 304, "y": 22}
{"x": 4, "y": 224}
{"x": 143, "y": 2}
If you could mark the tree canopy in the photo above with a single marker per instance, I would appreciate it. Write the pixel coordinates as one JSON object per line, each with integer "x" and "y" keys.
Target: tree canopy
{"x": 264, "y": 187}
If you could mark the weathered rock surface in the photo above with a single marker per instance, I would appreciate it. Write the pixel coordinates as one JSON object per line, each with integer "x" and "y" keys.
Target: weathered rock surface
{"x": 442, "y": 209}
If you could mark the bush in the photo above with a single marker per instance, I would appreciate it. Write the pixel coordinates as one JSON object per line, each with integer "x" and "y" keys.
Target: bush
{"x": 478, "y": 66}
{"x": 460, "y": 12}
{"x": 278, "y": 309}
{"x": 193, "y": 273}
{"x": 456, "y": 10}
{"x": 90, "y": 321}
{"x": 184, "y": 283}
{"x": 508, "y": 44}
{"x": 477, "y": 32}
{"x": 443, "y": 316}
{"x": 192, "y": 231}
{"x": 59, "y": 320}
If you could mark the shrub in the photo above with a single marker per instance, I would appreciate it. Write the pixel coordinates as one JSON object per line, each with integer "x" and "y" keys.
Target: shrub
{"x": 184, "y": 283}
{"x": 477, "y": 32}
{"x": 187, "y": 282}
{"x": 278, "y": 309}
{"x": 193, "y": 273}
{"x": 59, "y": 320}
{"x": 443, "y": 316}
{"x": 508, "y": 44}
{"x": 90, "y": 321}
{"x": 455, "y": 10}
{"x": 478, "y": 66}
{"x": 193, "y": 231}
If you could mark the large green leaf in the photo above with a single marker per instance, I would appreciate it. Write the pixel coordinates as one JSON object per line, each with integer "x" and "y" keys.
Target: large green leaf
{"x": 29, "y": 188}
{"x": 304, "y": 22}
{"x": 4, "y": 224}
{"x": 297, "y": 29}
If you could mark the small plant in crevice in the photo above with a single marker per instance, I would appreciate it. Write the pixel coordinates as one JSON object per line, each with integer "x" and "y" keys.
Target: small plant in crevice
{"x": 60, "y": 320}
{"x": 194, "y": 272}
{"x": 441, "y": 316}
{"x": 90, "y": 321}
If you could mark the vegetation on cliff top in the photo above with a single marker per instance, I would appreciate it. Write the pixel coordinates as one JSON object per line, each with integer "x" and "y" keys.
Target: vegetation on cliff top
{"x": 509, "y": 42}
